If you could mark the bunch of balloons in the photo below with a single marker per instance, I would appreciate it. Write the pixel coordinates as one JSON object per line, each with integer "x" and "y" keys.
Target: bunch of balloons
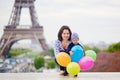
{"x": 77, "y": 61}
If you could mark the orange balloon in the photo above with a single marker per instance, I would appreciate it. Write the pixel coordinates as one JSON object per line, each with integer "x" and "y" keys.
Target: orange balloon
{"x": 63, "y": 59}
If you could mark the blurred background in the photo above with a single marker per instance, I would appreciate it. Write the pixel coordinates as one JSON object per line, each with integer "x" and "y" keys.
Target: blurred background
{"x": 96, "y": 22}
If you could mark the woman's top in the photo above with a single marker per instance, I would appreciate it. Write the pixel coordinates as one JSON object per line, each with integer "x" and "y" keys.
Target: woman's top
{"x": 58, "y": 47}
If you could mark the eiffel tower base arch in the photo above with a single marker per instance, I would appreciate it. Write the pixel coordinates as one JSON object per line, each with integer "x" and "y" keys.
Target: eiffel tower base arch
{"x": 11, "y": 36}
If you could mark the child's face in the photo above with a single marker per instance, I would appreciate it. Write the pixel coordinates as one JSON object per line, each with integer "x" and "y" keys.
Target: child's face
{"x": 75, "y": 40}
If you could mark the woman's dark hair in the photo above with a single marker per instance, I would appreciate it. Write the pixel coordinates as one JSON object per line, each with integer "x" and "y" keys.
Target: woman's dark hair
{"x": 64, "y": 27}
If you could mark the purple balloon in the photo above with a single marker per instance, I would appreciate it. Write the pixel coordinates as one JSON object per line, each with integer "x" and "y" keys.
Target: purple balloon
{"x": 86, "y": 63}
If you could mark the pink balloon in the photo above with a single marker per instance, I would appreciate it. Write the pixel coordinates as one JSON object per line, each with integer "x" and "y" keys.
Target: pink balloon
{"x": 86, "y": 63}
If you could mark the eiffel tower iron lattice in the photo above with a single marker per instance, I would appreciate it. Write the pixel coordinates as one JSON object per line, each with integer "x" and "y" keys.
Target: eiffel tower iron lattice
{"x": 13, "y": 32}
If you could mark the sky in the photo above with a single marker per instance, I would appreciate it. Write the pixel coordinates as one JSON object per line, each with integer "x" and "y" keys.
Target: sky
{"x": 93, "y": 20}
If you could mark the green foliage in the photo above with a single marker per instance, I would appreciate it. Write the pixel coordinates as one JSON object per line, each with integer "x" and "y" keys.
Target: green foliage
{"x": 51, "y": 64}
{"x": 16, "y": 52}
{"x": 117, "y": 47}
{"x": 50, "y": 52}
{"x": 97, "y": 50}
{"x": 114, "y": 47}
{"x": 39, "y": 62}
{"x": 33, "y": 54}
{"x": 86, "y": 48}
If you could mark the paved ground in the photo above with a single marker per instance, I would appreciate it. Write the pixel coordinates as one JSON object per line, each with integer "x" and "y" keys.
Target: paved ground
{"x": 56, "y": 76}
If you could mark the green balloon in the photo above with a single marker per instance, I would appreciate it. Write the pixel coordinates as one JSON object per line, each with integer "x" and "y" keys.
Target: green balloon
{"x": 91, "y": 54}
{"x": 73, "y": 68}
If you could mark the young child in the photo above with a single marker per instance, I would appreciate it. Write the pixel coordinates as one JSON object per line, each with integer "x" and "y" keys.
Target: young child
{"x": 75, "y": 41}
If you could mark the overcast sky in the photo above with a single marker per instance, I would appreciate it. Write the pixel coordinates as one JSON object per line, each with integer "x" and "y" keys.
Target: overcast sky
{"x": 93, "y": 20}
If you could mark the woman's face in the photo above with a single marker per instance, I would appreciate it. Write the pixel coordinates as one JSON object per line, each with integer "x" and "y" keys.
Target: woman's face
{"x": 65, "y": 34}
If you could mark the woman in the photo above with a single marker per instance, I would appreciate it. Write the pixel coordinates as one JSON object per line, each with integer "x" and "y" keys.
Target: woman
{"x": 61, "y": 44}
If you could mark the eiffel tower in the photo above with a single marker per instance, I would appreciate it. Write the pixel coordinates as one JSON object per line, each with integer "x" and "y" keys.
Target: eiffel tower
{"x": 14, "y": 32}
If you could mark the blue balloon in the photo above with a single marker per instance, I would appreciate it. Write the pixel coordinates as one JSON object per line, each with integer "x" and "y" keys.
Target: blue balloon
{"x": 77, "y": 53}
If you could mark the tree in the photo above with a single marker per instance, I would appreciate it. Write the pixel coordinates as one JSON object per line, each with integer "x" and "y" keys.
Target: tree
{"x": 51, "y": 64}
{"x": 49, "y": 52}
{"x": 97, "y": 50}
{"x": 114, "y": 47}
{"x": 39, "y": 62}
{"x": 86, "y": 47}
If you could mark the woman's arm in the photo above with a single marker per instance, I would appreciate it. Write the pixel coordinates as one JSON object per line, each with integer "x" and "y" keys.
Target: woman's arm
{"x": 57, "y": 46}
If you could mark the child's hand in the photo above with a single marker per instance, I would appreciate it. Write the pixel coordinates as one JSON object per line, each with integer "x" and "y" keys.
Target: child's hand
{"x": 71, "y": 53}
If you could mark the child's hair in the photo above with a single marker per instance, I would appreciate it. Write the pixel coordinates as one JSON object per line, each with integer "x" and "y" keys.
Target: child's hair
{"x": 74, "y": 35}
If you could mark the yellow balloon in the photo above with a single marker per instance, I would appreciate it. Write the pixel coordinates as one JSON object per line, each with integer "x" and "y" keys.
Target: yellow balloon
{"x": 73, "y": 68}
{"x": 63, "y": 59}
